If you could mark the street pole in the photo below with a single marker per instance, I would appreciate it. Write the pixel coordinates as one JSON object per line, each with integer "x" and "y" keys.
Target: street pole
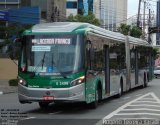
{"x": 144, "y": 13}
{"x": 138, "y": 16}
{"x": 149, "y": 25}
{"x": 108, "y": 16}
{"x": 104, "y": 22}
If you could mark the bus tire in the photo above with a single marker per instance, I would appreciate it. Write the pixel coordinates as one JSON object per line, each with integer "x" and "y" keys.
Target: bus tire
{"x": 93, "y": 105}
{"x": 120, "y": 91}
{"x": 43, "y": 105}
{"x": 145, "y": 81}
{"x": 147, "y": 77}
{"x": 99, "y": 89}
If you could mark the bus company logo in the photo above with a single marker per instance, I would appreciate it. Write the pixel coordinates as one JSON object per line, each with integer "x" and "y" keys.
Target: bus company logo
{"x": 48, "y": 93}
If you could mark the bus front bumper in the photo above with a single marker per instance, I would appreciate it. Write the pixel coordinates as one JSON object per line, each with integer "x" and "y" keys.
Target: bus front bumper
{"x": 72, "y": 94}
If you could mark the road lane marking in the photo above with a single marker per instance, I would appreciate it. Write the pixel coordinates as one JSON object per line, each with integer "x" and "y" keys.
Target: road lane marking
{"x": 141, "y": 109}
{"x": 124, "y": 106}
{"x": 148, "y": 99}
{"x": 29, "y": 118}
{"x": 138, "y": 114}
{"x": 55, "y": 113}
{"x": 143, "y": 118}
{"x": 146, "y": 102}
{"x": 158, "y": 100}
{"x": 147, "y": 105}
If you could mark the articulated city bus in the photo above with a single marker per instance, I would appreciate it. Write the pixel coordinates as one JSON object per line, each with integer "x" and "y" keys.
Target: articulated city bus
{"x": 79, "y": 62}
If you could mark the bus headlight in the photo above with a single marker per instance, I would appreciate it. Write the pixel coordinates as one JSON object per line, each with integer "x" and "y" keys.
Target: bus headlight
{"x": 22, "y": 82}
{"x": 78, "y": 81}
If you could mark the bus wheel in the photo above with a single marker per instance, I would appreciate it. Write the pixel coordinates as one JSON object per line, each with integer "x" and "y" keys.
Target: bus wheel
{"x": 43, "y": 105}
{"x": 145, "y": 82}
{"x": 93, "y": 105}
{"x": 120, "y": 90}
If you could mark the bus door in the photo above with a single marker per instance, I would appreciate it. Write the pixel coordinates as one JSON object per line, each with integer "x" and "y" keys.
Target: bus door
{"x": 107, "y": 70}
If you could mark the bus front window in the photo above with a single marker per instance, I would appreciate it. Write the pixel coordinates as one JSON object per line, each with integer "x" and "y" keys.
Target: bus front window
{"x": 53, "y": 54}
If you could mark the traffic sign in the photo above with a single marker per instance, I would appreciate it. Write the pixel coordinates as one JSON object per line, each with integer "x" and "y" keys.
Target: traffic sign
{"x": 25, "y": 15}
{"x": 3, "y": 15}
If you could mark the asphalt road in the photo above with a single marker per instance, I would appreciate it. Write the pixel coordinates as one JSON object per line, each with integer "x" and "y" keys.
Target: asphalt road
{"x": 139, "y": 106}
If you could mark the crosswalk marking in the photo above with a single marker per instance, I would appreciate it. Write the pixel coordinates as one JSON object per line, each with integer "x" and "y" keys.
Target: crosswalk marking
{"x": 141, "y": 109}
{"x": 146, "y": 105}
{"x": 137, "y": 114}
{"x": 150, "y": 100}
{"x": 146, "y": 102}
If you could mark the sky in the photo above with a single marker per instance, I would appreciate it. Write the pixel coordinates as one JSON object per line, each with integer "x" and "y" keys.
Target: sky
{"x": 132, "y": 7}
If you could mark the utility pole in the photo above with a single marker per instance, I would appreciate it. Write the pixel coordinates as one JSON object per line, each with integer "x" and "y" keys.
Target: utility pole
{"x": 149, "y": 25}
{"x": 138, "y": 16}
{"x": 100, "y": 10}
{"x": 144, "y": 13}
{"x": 104, "y": 17}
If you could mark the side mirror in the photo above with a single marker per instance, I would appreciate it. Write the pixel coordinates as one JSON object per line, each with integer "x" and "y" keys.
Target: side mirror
{"x": 92, "y": 54}
{"x": 14, "y": 49}
{"x": 90, "y": 50}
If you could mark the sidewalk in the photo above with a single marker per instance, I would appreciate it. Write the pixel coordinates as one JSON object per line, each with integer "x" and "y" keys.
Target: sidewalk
{"x": 5, "y": 88}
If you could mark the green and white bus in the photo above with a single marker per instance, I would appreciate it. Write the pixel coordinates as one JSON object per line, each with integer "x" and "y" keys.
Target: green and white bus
{"x": 79, "y": 62}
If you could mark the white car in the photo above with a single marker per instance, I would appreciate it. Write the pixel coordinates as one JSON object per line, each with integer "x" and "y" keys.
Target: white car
{"x": 157, "y": 72}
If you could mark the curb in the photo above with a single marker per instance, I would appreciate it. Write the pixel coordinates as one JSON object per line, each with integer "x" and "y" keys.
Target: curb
{"x": 3, "y": 93}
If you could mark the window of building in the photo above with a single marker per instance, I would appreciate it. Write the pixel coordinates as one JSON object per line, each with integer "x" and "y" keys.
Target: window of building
{"x": 71, "y": 5}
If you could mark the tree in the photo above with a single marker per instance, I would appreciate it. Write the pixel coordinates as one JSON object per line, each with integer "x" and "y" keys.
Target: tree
{"x": 128, "y": 30}
{"x": 9, "y": 34}
{"x": 90, "y": 18}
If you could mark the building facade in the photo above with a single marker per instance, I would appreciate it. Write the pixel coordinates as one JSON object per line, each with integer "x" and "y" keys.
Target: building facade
{"x": 9, "y": 4}
{"x": 111, "y": 12}
{"x": 81, "y": 7}
{"x": 71, "y": 7}
{"x": 51, "y": 10}
{"x": 56, "y": 10}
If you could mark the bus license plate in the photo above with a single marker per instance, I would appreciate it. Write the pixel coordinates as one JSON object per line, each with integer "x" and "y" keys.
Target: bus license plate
{"x": 48, "y": 97}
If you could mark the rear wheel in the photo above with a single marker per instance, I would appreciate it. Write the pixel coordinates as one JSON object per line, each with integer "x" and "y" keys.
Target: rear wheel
{"x": 43, "y": 105}
{"x": 145, "y": 81}
{"x": 120, "y": 90}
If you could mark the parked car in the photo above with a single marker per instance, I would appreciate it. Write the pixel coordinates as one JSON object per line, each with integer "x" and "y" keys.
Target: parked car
{"x": 157, "y": 72}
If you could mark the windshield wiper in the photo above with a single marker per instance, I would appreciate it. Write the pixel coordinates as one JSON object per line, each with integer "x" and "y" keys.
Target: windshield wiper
{"x": 41, "y": 61}
{"x": 53, "y": 64}
{"x": 44, "y": 55}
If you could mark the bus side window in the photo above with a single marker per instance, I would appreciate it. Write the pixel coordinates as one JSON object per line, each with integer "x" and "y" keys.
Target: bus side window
{"x": 89, "y": 55}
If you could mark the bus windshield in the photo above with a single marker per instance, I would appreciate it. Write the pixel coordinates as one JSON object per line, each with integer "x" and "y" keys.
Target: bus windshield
{"x": 52, "y": 54}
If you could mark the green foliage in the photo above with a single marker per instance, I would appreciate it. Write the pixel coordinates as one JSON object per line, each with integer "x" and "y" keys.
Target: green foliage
{"x": 90, "y": 18}
{"x": 155, "y": 52}
{"x": 124, "y": 29}
{"x": 7, "y": 35}
{"x": 136, "y": 32}
{"x": 13, "y": 82}
{"x": 128, "y": 30}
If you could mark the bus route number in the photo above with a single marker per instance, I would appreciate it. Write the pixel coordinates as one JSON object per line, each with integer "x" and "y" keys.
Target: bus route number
{"x": 61, "y": 83}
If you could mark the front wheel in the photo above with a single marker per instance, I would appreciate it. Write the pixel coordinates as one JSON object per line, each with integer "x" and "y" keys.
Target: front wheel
{"x": 93, "y": 105}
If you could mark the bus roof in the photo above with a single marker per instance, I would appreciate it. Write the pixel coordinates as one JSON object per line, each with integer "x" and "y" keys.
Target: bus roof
{"x": 78, "y": 27}
{"x": 58, "y": 27}
{"x": 72, "y": 27}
